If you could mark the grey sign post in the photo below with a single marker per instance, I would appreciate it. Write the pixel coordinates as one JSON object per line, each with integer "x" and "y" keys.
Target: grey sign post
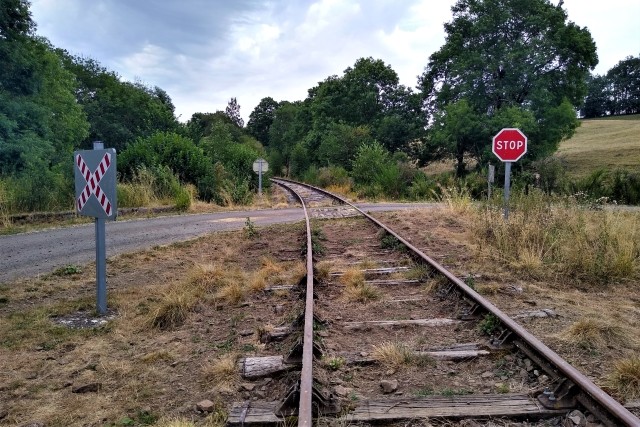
{"x": 260, "y": 166}
{"x": 96, "y": 196}
{"x": 491, "y": 179}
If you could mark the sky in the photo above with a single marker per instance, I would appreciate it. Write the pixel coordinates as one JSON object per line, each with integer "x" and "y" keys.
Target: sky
{"x": 203, "y": 52}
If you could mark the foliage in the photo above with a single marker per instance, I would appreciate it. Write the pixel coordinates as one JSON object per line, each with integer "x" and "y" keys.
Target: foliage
{"x": 15, "y": 20}
{"x": 165, "y": 150}
{"x": 118, "y": 111}
{"x": 291, "y": 123}
{"x": 617, "y": 92}
{"x": 261, "y": 118}
{"x": 40, "y": 121}
{"x": 505, "y": 63}
{"x": 250, "y": 229}
{"x": 233, "y": 112}
{"x": 489, "y": 324}
{"x": 617, "y": 186}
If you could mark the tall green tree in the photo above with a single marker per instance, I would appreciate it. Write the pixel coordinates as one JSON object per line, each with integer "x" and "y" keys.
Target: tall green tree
{"x": 597, "y": 103}
{"x": 290, "y": 127}
{"x": 15, "y": 19}
{"x": 118, "y": 111}
{"x": 624, "y": 86}
{"x": 233, "y": 112}
{"x": 261, "y": 118}
{"x": 369, "y": 94}
{"x": 510, "y": 54}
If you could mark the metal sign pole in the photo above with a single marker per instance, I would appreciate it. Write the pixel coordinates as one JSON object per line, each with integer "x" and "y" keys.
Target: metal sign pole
{"x": 101, "y": 266}
{"x": 101, "y": 257}
{"x": 260, "y": 179}
{"x": 507, "y": 187}
{"x": 490, "y": 179}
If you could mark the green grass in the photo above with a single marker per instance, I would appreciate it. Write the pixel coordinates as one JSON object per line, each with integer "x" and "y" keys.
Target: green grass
{"x": 604, "y": 143}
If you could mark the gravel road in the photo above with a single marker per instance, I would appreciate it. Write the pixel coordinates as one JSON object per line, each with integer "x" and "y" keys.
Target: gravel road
{"x": 34, "y": 253}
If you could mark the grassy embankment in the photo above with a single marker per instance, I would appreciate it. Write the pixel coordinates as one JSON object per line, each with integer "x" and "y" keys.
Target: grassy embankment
{"x": 605, "y": 143}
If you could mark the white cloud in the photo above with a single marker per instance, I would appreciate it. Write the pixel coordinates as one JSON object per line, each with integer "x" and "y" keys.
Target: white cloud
{"x": 203, "y": 52}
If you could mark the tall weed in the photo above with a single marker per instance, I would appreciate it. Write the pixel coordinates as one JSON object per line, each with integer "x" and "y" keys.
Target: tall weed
{"x": 546, "y": 235}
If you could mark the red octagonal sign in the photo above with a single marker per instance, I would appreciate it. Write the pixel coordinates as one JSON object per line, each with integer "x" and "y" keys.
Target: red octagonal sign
{"x": 509, "y": 144}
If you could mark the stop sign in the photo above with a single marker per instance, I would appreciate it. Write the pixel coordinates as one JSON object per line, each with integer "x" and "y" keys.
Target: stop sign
{"x": 509, "y": 144}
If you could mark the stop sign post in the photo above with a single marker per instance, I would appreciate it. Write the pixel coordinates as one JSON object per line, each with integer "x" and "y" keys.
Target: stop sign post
{"x": 509, "y": 145}
{"x": 260, "y": 166}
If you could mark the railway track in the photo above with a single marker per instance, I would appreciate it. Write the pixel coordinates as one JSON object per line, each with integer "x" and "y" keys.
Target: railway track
{"x": 425, "y": 345}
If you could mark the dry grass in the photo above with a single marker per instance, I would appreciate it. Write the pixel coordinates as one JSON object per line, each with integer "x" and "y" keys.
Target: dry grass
{"x": 593, "y": 333}
{"x": 322, "y": 270}
{"x": 273, "y": 273}
{"x": 223, "y": 371}
{"x": 585, "y": 152}
{"x": 345, "y": 190}
{"x": 625, "y": 378}
{"x": 173, "y": 309}
{"x": 546, "y": 237}
{"x": 355, "y": 287}
{"x": 157, "y": 356}
{"x": 352, "y": 278}
{"x": 362, "y": 293}
{"x": 393, "y": 354}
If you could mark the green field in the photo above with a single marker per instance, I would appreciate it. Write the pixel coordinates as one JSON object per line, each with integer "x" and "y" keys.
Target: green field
{"x": 604, "y": 143}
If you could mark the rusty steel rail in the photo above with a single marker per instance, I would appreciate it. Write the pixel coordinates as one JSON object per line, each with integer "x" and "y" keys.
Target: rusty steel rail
{"x": 305, "y": 410}
{"x": 618, "y": 412}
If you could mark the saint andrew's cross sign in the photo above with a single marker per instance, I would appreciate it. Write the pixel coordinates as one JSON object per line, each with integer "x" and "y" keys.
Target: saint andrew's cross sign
{"x": 95, "y": 182}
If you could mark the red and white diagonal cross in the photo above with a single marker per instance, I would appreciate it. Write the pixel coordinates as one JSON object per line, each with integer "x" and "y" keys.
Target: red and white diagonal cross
{"x": 93, "y": 183}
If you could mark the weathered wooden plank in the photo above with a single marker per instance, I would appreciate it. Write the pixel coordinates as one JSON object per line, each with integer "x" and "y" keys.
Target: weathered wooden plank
{"x": 375, "y": 271}
{"x": 253, "y": 413}
{"x": 275, "y": 334}
{"x": 413, "y": 322}
{"x": 280, "y": 288}
{"x": 466, "y": 351}
{"x": 456, "y": 407}
{"x": 259, "y": 367}
{"x": 393, "y": 282}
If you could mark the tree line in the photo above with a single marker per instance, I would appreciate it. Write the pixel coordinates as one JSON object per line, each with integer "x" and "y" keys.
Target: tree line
{"x": 615, "y": 93}
{"x": 504, "y": 63}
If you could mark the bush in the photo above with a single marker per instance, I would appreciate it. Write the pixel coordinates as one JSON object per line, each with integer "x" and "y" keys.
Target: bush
{"x": 422, "y": 188}
{"x": 182, "y": 199}
{"x": 618, "y": 185}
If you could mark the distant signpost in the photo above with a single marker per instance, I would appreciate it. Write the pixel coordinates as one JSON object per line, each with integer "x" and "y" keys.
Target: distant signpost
{"x": 509, "y": 145}
{"x": 260, "y": 166}
{"x": 96, "y": 196}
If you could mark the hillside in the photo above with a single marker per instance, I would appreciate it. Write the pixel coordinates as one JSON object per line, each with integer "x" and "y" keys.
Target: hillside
{"x": 604, "y": 143}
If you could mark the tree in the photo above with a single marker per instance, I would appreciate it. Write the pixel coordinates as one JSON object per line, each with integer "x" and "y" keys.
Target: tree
{"x": 624, "y": 86}
{"x": 369, "y": 94}
{"x": 15, "y": 19}
{"x": 261, "y": 118}
{"x": 511, "y": 54}
{"x": 291, "y": 124}
{"x": 118, "y": 111}
{"x": 40, "y": 121}
{"x": 597, "y": 102}
{"x": 233, "y": 112}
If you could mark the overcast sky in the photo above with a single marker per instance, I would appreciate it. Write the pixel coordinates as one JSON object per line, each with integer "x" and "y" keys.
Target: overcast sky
{"x": 203, "y": 52}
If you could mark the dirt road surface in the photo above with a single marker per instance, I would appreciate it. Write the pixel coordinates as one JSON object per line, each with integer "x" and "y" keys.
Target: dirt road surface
{"x": 41, "y": 252}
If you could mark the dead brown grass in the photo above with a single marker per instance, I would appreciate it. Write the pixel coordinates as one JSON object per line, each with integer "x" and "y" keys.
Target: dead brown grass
{"x": 355, "y": 287}
{"x": 594, "y": 333}
{"x": 223, "y": 370}
{"x": 393, "y": 354}
{"x": 625, "y": 378}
